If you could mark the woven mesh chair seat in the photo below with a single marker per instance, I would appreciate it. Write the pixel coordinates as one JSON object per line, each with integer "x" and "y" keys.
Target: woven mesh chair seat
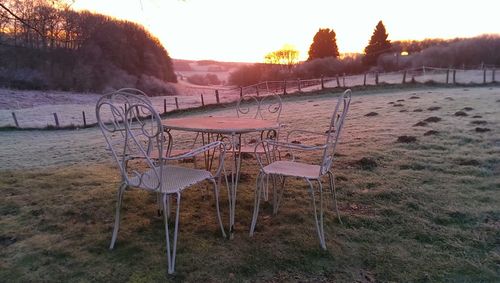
{"x": 293, "y": 169}
{"x": 250, "y": 148}
{"x": 175, "y": 179}
{"x": 173, "y": 153}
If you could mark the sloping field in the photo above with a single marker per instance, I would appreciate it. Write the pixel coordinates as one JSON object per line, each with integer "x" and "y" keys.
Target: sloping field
{"x": 417, "y": 173}
{"x": 35, "y": 109}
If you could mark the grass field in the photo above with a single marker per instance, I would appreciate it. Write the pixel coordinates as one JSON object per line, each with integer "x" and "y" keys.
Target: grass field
{"x": 424, "y": 207}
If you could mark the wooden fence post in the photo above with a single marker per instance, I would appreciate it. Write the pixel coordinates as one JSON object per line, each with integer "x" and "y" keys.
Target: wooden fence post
{"x": 217, "y": 95}
{"x": 257, "y": 90}
{"x": 164, "y": 105}
{"x": 56, "y": 119}
{"x": 298, "y": 85}
{"x": 484, "y": 76}
{"x": 241, "y": 91}
{"x": 364, "y": 80}
{"x": 404, "y": 77}
{"x": 454, "y": 76}
{"x": 84, "y": 119}
{"x": 176, "y": 103}
{"x": 15, "y": 119}
{"x": 376, "y": 78}
{"x": 493, "y": 75}
{"x": 338, "y": 81}
{"x": 284, "y": 87}
{"x": 202, "y": 100}
{"x": 343, "y": 80}
{"x": 447, "y": 76}
{"x": 322, "y": 83}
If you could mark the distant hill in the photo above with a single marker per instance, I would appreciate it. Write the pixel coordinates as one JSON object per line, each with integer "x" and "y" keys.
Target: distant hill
{"x": 57, "y": 48}
{"x": 205, "y": 72}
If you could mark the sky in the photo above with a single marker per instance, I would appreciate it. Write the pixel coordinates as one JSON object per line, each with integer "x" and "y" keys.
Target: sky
{"x": 246, "y": 30}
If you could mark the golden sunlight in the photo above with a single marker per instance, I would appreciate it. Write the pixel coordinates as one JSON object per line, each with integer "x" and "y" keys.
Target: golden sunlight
{"x": 245, "y": 31}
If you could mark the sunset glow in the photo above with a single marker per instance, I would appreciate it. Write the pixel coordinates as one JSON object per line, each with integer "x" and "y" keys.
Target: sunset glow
{"x": 245, "y": 31}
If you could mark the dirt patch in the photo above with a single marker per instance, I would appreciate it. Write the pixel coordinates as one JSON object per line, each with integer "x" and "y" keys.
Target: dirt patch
{"x": 479, "y": 122}
{"x": 366, "y": 163}
{"x": 404, "y": 110}
{"x": 7, "y": 240}
{"x": 341, "y": 178}
{"x": 420, "y": 124}
{"x": 449, "y": 98}
{"x": 460, "y": 113}
{"x": 432, "y": 119}
{"x": 468, "y": 162}
{"x": 418, "y": 110}
{"x": 246, "y": 155}
{"x": 468, "y": 108}
{"x": 431, "y": 133}
{"x": 482, "y": 130}
{"x": 433, "y": 108}
{"x": 406, "y": 139}
{"x": 414, "y": 97}
{"x": 477, "y": 116}
{"x": 392, "y": 102}
{"x": 400, "y": 100}
{"x": 398, "y": 105}
{"x": 371, "y": 114}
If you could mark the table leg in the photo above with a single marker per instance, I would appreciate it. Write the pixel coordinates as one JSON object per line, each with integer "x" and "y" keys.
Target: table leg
{"x": 235, "y": 176}
{"x": 235, "y": 172}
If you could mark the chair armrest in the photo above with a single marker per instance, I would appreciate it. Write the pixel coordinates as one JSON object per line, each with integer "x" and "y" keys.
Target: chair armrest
{"x": 211, "y": 146}
{"x": 292, "y": 132}
{"x": 271, "y": 147}
{"x": 197, "y": 151}
{"x": 293, "y": 145}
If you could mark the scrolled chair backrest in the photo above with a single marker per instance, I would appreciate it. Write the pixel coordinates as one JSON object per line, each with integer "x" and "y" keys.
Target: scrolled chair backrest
{"x": 334, "y": 130}
{"x": 265, "y": 107}
{"x": 270, "y": 107}
{"x": 247, "y": 107}
{"x": 146, "y": 139}
{"x": 113, "y": 111}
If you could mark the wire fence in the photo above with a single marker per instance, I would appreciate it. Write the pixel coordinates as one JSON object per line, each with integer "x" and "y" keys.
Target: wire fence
{"x": 83, "y": 114}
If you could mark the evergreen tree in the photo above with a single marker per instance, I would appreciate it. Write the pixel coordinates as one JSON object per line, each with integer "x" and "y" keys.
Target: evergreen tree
{"x": 378, "y": 45}
{"x": 324, "y": 45}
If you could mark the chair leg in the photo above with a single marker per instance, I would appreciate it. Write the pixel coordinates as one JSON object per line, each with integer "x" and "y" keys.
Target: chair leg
{"x": 216, "y": 193}
{"x": 258, "y": 189}
{"x": 334, "y": 193}
{"x": 321, "y": 214}
{"x": 171, "y": 255}
{"x": 159, "y": 203}
{"x": 279, "y": 194}
{"x": 266, "y": 189}
{"x": 319, "y": 226}
{"x": 116, "y": 227}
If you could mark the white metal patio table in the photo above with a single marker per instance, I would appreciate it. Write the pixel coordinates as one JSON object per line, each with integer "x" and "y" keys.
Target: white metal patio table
{"x": 222, "y": 127}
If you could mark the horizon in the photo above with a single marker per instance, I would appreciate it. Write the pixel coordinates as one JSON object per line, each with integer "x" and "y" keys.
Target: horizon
{"x": 226, "y": 34}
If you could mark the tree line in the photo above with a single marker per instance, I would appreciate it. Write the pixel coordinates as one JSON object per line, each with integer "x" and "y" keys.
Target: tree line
{"x": 379, "y": 55}
{"x": 46, "y": 45}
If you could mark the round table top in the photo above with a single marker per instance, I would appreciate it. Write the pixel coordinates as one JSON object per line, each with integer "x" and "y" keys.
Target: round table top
{"x": 220, "y": 125}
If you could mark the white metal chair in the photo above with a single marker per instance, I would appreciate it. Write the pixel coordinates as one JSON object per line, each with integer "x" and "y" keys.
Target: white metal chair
{"x": 279, "y": 170}
{"x": 138, "y": 131}
{"x": 265, "y": 107}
